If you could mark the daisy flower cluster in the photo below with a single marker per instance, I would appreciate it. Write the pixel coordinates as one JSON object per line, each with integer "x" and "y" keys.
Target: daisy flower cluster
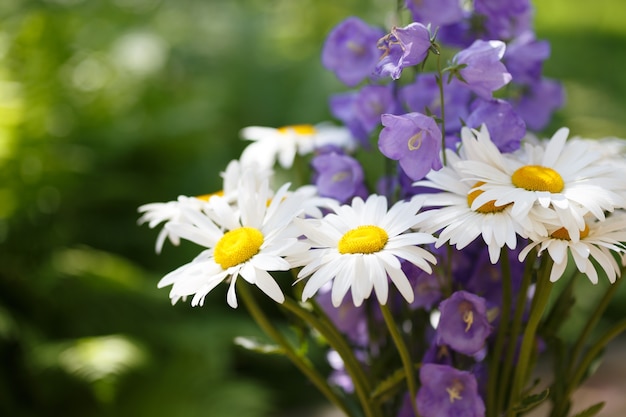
{"x": 438, "y": 273}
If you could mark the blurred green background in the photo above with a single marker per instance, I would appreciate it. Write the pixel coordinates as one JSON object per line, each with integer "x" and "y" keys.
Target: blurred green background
{"x": 107, "y": 105}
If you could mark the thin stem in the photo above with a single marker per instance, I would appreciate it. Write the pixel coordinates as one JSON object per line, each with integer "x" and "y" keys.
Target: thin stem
{"x": 300, "y": 362}
{"x": 361, "y": 382}
{"x": 593, "y": 320}
{"x": 516, "y": 326}
{"x": 593, "y": 353}
{"x": 493, "y": 400}
{"x": 539, "y": 304}
{"x": 443, "y": 109}
{"x": 404, "y": 355}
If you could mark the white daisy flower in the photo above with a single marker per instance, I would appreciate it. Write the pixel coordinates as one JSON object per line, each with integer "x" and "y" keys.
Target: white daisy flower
{"x": 458, "y": 223}
{"x": 563, "y": 176}
{"x": 598, "y": 241}
{"x": 173, "y": 211}
{"x": 359, "y": 247}
{"x": 247, "y": 240}
{"x": 281, "y": 144}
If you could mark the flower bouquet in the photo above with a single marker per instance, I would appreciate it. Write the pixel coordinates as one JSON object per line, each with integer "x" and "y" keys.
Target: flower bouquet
{"x": 430, "y": 241}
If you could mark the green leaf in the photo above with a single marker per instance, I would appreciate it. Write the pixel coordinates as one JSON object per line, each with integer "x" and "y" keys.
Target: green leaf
{"x": 255, "y": 346}
{"x": 532, "y": 401}
{"x": 591, "y": 411}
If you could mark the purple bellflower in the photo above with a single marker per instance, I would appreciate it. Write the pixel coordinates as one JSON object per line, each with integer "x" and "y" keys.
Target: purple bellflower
{"x": 505, "y": 126}
{"x": 435, "y": 12}
{"x": 463, "y": 324}
{"x": 403, "y": 47}
{"x": 446, "y": 391}
{"x": 351, "y": 51}
{"x": 538, "y": 102}
{"x": 414, "y": 140}
{"x": 338, "y": 176}
{"x": 524, "y": 58}
{"x": 480, "y": 68}
{"x": 504, "y": 19}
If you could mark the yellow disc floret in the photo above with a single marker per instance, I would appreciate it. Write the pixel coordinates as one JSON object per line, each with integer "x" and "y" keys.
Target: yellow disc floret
{"x": 207, "y": 197}
{"x": 363, "y": 239}
{"x": 304, "y": 130}
{"x": 538, "y": 178}
{"x": 563, "y": 234}
{"x": 488, "y": 207}
{"x": 237, "y": 246}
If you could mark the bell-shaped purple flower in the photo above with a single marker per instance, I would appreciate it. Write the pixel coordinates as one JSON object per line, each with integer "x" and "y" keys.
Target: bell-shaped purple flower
{"x": 538, "y": 102}
{"x": 505, "y": 126}
{"x": 351, "y": 50}
{"x": 338, "y": 176}
{"x": 342, "y": 107}
{"x": 403, "y": 47}
{"x": 524, "y": 58}
{"x": 504, "y": 19}
{"x": 479, "y": 66}
{"x": 414, "y": 140}
{"x": 435, "y": 12}
{"x": 463, "y": 324}
{"x": 446, "y": 391}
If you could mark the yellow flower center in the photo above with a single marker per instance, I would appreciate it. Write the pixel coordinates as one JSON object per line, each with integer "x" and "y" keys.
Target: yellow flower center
{"x": 237, "y": 246}
{"x": 538, "y": 178}
{"x": 415, "y": 141}
{"x": 206, "y": 197}
{"x": 363, "y": 239}
{"x": 304, "y": 130}
{"x": 564, "y": 235}
{"x": 465, "y": 308}
{"x": 489, "y": 206}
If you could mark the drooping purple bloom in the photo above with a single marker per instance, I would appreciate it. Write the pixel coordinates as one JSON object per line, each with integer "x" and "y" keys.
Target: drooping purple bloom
{"x": 538, "y": 102}
{"x": 446, "y": 391}
{"x": 506, "y": 127}
{"x": 351, "y": 50}
{"x": 524, "y": 58}
{"x": 504, "y": 19}
{"x": 423, "y": 96}
{"x": 435, "y": 12}
{"x": 338, "y": 176}
{"x": 403, "y": 47}
{"x": 342, "y": 106}
{"x": 480, "y": 68}
{"x": 414, "y": 140}
{"x": 463, "y": 324}
{"x": 360, "y": 111}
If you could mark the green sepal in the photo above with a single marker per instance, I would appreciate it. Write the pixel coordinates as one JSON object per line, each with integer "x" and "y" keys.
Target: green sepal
{"x": 389, "y": 386}
{"x": 531, "y": 401}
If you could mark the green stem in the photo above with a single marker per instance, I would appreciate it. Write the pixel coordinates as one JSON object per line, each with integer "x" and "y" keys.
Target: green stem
{"x": 539, "y": 304}
{"x": 409, "y": 369}
{"x": 361, "y": 382}
{"x": 300, "y": 362}
{"x": 592, "y": 354}
{"x": 443, "y": 107}
{"x": 593, "y": 320}
{"x": 493, "y": 400}
{"x": 516, "y": 325}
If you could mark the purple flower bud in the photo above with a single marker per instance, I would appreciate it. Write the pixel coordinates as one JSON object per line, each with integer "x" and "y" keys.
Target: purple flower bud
{"x": 463, "y": 324}
{"x": 414, "y": 140}
{"x": 505, "y": 126}
{"x": 403, "y": 47}
{"x": 351, "y": 51}
{"x": 446, "y": 391}
{"x": 481, "y": 69}
{"x": 338, "y": 176}
{"x": 539, "y": 101}
{"x": 524, "y": 57}
{"x": 435, "y": 12}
